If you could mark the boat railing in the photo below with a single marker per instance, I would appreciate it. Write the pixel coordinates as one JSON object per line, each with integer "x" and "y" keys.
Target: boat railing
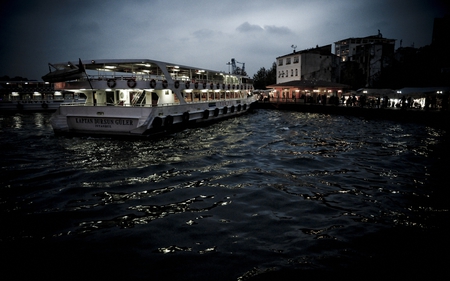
{"x": 142, "y": 104}
{"x": 73, "y": 103}
{"x": 160, "y": 78}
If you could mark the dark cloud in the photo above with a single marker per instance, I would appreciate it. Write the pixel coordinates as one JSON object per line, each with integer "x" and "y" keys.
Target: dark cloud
{"x": 247, "y": 27}
{"x": 278, "y": 30}
{"x": 204, "y": 34}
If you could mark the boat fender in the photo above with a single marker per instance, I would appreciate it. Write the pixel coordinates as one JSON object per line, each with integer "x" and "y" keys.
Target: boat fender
{"x": 131, "y": 83}
{"x": 206, "y": 114}
{"x": 177, "y": 84}
{"x": 232, "y": 109}
{"x": 223, "y": 86}
{"x": 228, "y": 86}
{"x": 211, "y": 86}
{"x": 245, "y": 107}
{"x": 157, "y": 122}
{"x": 186, "y": 117}
{"x": 44, "y": 105}
{"x": 111, "y": 83}
{"x": 164, "y": 84}
{"x": 239, "y": 107}
{"x": 204, "y": 85}
{"x": 216, "y": 112}
{"x": 153, "y": 83}
{"x": 218, "y": 86}
{"x": 196, "y": 85}
{"x": 225, "y": 110}
{"x": 234, "y": 86}
{"x": 187, "y": 84}
{"x": 168, "y": 121}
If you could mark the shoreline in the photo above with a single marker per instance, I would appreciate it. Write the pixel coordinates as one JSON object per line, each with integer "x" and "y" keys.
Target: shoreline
{"x": 431, "y": 117}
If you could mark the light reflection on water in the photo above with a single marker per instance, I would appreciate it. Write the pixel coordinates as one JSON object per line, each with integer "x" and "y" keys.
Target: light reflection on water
{"x": 266, "y": 191}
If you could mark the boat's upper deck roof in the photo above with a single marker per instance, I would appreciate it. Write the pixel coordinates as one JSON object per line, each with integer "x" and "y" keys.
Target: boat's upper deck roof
{"x": 137, "y": 66}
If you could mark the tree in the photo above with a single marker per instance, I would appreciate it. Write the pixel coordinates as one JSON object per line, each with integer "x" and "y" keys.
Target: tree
{"x": 351, "y": 74}
{"x": 17, "y": 78}
{"x": 264, "y": 77}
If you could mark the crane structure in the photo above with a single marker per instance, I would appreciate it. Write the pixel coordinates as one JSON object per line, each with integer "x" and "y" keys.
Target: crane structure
{"x": 236, "y": 69}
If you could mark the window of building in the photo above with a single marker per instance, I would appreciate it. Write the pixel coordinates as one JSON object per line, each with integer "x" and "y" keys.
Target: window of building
{"x": 296, "y": 59}
{"x": 296, "y": 72}
{"x": 288, "y": 60}
{"x": 292, "y": 72}
{"x": 280, "y": 62}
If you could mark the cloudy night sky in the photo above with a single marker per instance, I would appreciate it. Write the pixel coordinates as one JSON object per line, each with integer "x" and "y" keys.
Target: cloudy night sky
{"x": 201, "y": 33}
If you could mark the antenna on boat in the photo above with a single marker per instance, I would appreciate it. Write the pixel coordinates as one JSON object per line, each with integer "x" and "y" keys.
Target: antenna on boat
{"x": 81, "y": 67}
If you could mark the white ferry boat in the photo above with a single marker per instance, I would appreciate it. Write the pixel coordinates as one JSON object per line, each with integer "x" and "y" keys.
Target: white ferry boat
{"x": 17, "y": 96}
{"x": 144, "y": 97}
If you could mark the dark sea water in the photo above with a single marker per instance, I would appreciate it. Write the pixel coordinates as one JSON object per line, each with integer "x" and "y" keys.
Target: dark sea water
{"x": 273, "y": 195}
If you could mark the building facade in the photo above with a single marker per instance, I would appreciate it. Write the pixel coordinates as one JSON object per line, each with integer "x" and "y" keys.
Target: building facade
{"x": 312, "y": 64}
{"x": 346, "y": 49}
{"x": 364, "y": 57}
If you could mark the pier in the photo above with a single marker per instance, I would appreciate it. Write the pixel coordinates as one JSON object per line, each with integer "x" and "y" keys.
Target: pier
{"x": 430, "y": 117}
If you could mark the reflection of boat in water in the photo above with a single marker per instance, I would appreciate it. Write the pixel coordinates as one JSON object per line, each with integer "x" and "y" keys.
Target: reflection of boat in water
{"x": 33, "y": 96}
{"x": 143, "y": 97}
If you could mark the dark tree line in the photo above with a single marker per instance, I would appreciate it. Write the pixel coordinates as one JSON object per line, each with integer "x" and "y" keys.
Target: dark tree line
{"x": 265, "y": 77}
{"x": 17, "y": 78}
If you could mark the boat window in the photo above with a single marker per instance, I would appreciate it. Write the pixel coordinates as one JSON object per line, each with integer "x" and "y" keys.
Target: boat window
{"x": 187, "y": 96}
{"x": 175, "y": 98}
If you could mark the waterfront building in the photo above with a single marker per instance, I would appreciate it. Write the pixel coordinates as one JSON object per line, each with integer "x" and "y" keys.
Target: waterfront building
{"x": 311, "y": 64}
{"x": 363, "y": 59}
{"x": 307, "y": 91}
{"x": 25, "y": 90}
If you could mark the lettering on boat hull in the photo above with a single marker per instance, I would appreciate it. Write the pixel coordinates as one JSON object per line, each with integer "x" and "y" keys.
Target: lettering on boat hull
{"x": 102, "y": 124}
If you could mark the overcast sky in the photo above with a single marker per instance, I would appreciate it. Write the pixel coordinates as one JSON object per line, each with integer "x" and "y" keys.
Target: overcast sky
{"x": 202, "y": 33}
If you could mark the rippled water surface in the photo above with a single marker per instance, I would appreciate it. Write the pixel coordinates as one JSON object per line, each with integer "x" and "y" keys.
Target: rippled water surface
{"x": 273, "y": 194}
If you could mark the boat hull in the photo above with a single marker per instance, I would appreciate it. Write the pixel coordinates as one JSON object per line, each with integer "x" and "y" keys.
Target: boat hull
{"x": 142, "y": 121}
{"x": 15, "y": 106}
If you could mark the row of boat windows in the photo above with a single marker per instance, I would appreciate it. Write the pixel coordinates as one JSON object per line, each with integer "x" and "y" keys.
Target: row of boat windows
{"x": 193, "y": 97}
{"x": 31, "y": 97}
{"x": 214, "y": 80}
{"x": 137, "y": 99}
